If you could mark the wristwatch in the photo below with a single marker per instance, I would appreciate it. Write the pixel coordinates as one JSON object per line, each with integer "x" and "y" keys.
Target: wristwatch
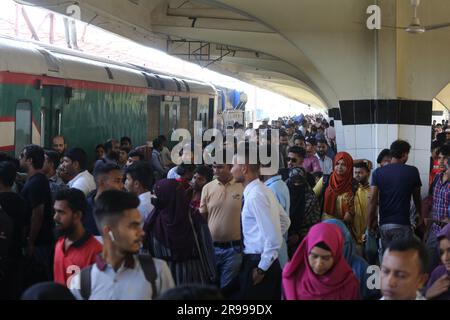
{"x": 260, "y": 271}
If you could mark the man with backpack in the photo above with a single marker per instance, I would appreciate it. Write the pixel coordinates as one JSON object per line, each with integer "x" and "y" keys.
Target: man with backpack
{"x": 120, "y": 272}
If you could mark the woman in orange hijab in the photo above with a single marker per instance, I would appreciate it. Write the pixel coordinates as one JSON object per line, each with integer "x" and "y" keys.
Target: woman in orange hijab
{"x": 338, "y": 195}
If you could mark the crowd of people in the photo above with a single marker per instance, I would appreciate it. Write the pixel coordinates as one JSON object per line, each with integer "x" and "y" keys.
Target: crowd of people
{"x": 134, "y": 225}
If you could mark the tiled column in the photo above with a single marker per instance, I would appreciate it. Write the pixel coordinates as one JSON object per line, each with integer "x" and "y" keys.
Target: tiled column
{"x": 372, "y": 125}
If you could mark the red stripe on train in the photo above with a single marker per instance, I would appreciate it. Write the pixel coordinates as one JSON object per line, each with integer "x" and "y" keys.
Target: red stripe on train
{"x": 7, "y": 119}
{"x": 7, "y": 148}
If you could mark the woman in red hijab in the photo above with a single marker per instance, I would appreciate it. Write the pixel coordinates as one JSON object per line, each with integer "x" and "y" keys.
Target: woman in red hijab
{"x": 318, "y": 269}
{"x": 338, "y": 195}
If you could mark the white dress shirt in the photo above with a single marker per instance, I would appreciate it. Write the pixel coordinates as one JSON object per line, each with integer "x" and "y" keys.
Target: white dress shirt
{"x": 326, "y": 164}
{"x": 128, "y": 283}
{"x": 172, "y": 174}
{"x": 145, "y": 206}
{"x": 261, "y": 223}
{"x": 84, "y": 182}
{"x": 419, "y": 296}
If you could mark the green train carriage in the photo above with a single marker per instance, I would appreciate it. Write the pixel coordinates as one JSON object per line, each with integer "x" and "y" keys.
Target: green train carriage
{"x": 46, "y": 91}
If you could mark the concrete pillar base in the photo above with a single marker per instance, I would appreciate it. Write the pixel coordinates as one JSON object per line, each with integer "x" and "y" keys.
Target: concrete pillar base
{"x": 372, "y": 125}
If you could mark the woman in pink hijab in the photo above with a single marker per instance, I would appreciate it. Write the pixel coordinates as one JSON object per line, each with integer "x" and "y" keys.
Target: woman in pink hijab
{"x": 318, "y": 270}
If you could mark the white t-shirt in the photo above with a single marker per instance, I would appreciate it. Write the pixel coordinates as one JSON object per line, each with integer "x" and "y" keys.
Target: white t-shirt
{"x": 84, "y": 182}
{"x": 145, "y": 207}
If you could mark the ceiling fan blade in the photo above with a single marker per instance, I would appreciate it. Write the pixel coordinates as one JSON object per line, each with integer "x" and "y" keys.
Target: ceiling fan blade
{"x": 391, "y": 27}
{"x": 382, "y": 26}
{"x": 437, "y": 26}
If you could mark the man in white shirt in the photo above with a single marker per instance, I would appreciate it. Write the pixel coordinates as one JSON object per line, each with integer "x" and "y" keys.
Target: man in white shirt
{"x": 119, "y": 272}
{"x": 139, "y": 181}
{"x": 74, "y": 165}
{"x": 260, "y": 276}
{"x": 403, "y": 270}
{"x": 326, "y": 163}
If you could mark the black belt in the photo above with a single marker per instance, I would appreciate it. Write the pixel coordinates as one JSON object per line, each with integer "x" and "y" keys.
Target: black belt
{"x": 226, "y": 245}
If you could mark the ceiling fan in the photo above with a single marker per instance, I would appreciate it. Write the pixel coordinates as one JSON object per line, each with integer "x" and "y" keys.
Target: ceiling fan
{"x": 415, "y": 26}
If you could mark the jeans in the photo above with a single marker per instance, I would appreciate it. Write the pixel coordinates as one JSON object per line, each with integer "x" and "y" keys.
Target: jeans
{"x": 229, "y": 261}
{"x": 432, "y": 246}
{"x": 391, "y": 232}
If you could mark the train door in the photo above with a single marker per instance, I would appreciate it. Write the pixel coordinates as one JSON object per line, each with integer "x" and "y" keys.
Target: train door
{"x": 53, "y": 100}
{"x": 170, "y": 117}
{"x": 211, "y": 113}
{"x": 184, "y": 114}
{"x": 153, "y": 110}
{"x": 174, "y": 116}
{"x": 194, "y": 114}
{"x": 165, "y": 117}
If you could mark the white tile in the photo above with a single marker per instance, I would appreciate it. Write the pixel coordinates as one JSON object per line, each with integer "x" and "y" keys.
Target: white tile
{"x": 373, "y": 142}
{"x": 423, "y": 138}
{"x": 407, "y": 133}
{"x": 352, "y": 152}
{"x": 349, "y": 136}
{"x": 381, "y": 136}
{"x": 340, "y": 141}
{"x": 365, "y": 154}
{"x": 392, "y": 130}
{"x": 363, "y": 136}
{"x": 422, "y": 160}
{"x": 411, "y": 158}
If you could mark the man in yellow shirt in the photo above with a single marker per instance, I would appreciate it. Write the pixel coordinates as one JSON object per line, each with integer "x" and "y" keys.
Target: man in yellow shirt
{"x": 362, "y": 175}
{"x": 221, "y": 205}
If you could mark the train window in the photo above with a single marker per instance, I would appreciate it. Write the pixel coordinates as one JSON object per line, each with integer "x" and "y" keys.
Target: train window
{"x": 193, "y": 115}
{"x": 58, "y": 121}
{"x": 211, "y": 113}
{"x": 153, "y": 112}
{"x": 166, "y": 118}
{"x": 184, "y": 113}
{"x": 23, "y": 131}
{"x": 174, "y": 116}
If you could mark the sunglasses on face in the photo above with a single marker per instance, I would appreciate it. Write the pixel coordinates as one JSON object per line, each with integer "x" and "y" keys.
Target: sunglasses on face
{"x": 293, "y": 160}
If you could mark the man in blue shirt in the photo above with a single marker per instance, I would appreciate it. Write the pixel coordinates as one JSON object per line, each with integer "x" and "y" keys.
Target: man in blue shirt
{"x": 281, "y": 191}
{"x": 392, "y": 188}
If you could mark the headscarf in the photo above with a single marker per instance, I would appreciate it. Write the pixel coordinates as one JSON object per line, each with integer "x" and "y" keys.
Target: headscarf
{"x": 440, "y": 270}
{"x": 301, "y": 283}
{"x": 169, "y": 222}
{"x": 338, "y": 184}
{"x": 357, "y": 263}
{"x": 444, "y": 233}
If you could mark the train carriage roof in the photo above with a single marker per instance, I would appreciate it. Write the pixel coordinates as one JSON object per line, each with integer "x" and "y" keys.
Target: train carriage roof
{"x": 33, "y": 58}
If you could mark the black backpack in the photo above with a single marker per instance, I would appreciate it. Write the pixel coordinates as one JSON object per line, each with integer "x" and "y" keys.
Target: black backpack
{"x": 147, "y": 265}
{"x": 6, "y": 242}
